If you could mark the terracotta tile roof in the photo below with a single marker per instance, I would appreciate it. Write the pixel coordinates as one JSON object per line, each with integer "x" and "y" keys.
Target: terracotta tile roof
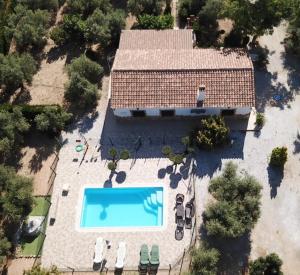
{"x": 194, "y": 59}
{"x": 154, "y": 39}
{"x": 179, "y": 89}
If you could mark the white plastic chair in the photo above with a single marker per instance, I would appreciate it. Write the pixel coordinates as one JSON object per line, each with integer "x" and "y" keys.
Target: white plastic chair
{"x": 121, "y": 253}
{"x": 99, "y": 246}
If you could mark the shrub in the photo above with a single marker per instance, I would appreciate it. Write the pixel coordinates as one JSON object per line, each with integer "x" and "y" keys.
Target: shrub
{"x": 279, "y": 156}
{"x": 271, "y": 264}
{"x": 40, "y": 4}
{"x": 213, "y": 132}
{"x": 86, "y": 68}
{"x": 81, "y": 92}
{"x": 113, "y": 153}
{"x": 205, "y": 261}
{"x": 237, "y": 204}
{"x": 52, "y": 119}
{"x": 5, "y": 246}
{"x": 160, "y": 22}
{"x": 38, "y": 270}
{"x": 189, "y": 7}
{"x": 260, "y": 120}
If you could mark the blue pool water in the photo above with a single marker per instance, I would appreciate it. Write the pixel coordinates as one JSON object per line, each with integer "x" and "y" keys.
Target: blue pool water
{"x": 122, "y": 207}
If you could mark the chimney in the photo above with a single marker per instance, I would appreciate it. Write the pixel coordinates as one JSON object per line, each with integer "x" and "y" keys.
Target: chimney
{"x": 201, "y": 95}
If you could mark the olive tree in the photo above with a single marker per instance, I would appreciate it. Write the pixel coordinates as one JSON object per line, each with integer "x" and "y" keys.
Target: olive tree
{"x": 205, "y": 261}
{"x": 86, "y": 68}
{"x": 271, "y": 264}
{"x": 16, "y": 69}
{"x": 52, "y": 119}
{"x": 139, "y": 7}
{"x": 13, "y": 125}
{"x": 81, "y": 92}
{"x": 237, "y": 204}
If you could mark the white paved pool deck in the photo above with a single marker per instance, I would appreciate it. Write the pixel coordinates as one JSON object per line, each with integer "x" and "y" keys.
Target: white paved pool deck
{"x": 67, "y": 247}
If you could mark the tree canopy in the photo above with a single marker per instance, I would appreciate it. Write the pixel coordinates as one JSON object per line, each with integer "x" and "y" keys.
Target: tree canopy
{"x": 16, "y": 69}
{"x": 12, "y": 127}
{"x": 269, "y": 265}
{"x": 28, "y": 27}
{"x": 205, "y": 261}
{"x": 86, "y": 68}
{"x": 237, "y": 206}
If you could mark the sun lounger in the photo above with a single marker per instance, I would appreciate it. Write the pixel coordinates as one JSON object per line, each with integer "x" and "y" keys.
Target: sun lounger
{"x": 154, "y": 257}
{"x": 144, "y": 259}
{"x": 179, "y": 232}
{"x": 188, "y": 216}
{"x": 121, "y": 253}
{"x": 99, "y": 246}
{"x": 179, "y": 212}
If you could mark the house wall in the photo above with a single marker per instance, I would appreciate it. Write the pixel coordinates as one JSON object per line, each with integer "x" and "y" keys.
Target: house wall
{"x": 180, "y": 112}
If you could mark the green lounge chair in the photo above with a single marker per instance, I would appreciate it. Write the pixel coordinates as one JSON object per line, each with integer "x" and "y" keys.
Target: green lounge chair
{"x": 144, "y": 259}
{"x": 154, "y": 257}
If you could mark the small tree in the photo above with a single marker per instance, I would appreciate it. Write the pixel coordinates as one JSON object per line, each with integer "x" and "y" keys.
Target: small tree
{"x": 53, "y": 119}
{"x": 205, "y": 261}
{"x": 5, "y": 246}
{"x": 279, "y": 156}
{"x": 237, "y": 205}
{"x": 271, "y": 264}
{"x": 260, "y": 120}
{"x": 175, "y": 158}
{"x": 213, "y": 132}
{"x": 81, "y": 92}
{"x": 86, "y": 68}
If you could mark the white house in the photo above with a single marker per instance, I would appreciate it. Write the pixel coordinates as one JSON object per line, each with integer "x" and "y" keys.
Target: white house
{"x": 160, "y": 73}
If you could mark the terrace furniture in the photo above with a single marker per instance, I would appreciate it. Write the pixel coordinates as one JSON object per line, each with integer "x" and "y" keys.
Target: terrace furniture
{"x": 99, "y": 247}
{"x": 188, "y": 216}
{"x": 179, "y": 232}
{"x": 179, "y": 213}
{"x": 121, "y": 253}
{"x": 154, "y": 258}
{"x": 179, "y": 199}
{"x": 144, "y": 259}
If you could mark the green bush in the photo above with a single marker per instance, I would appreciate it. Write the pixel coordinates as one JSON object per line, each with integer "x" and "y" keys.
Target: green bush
{"x": 260, "y": 120}
{"x": 86, "y": 68}
{"x": 167, "y": 150}
{"x": 279, "y": 156}
{"x": 52, "y": 119}
{"x": 160, "y": 22}
{"x": 59, "y": 36}
{"x": 81, "y": 92}
{"x": 213, "y": 133}
{"x": 271, "y": 264}
{"x": 205, "y": 261}
{"x": 40, "y": 4}
{"x": 124, "y": 154}
{"x": 236, "y": 208}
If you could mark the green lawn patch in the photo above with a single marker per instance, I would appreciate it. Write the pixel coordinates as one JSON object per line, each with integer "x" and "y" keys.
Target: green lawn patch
{"x": 33, "y": 246}
{"x": 41, "y": 206}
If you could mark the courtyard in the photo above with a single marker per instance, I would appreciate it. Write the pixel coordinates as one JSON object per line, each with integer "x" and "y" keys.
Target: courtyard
{"x": 276, "y": 230}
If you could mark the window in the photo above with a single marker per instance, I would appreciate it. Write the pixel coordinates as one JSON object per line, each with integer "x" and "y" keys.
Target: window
{"x": 198, "y": 111}
{"x": 167, "y": 113}
{"x": 228, "y": 112}
{"x": 138, "y": 113}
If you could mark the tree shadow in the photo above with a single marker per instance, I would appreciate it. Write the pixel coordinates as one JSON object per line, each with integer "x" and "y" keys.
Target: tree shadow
{"x": 22, "y": 96}
{"x": 120, "y": 177}
{"x": 69, "y": 51}
{"x": 275, "y": 176}
{"x": 292, "y": 64}
{"x": 234, "y": 253}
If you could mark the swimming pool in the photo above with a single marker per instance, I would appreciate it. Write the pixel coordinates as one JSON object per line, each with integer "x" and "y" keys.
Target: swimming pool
{"x": 122, "y": 207}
